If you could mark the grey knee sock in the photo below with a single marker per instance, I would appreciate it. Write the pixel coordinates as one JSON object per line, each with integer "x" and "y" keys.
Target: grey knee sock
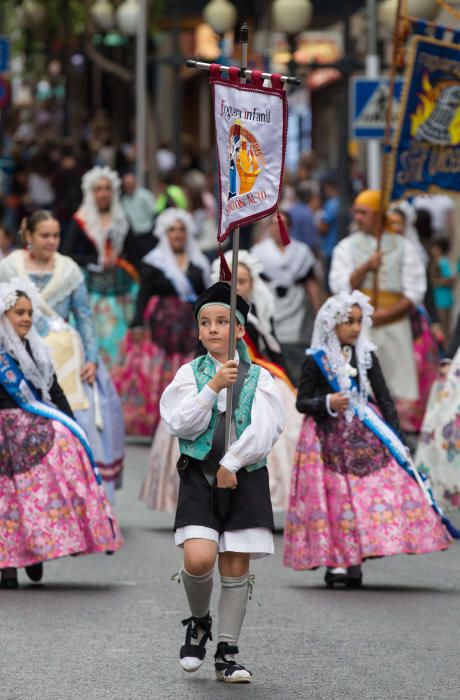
{"x": 232, "y": 606}
{"x": 198, "y": 590}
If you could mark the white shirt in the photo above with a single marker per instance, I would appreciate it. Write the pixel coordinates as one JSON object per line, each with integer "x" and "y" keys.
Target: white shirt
{"x": 187, "y": 414}
{"x": 409, "y": 274}
{"x": 140, "y": 210}
{"x": 440, "y": 207}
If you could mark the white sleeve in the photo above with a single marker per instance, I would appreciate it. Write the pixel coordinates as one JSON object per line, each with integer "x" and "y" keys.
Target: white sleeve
{"x": 341, "y": 268}
{"x": 186, "y": 412}
{"x": 413, "y": 274}
{"x": 267, "y": 422}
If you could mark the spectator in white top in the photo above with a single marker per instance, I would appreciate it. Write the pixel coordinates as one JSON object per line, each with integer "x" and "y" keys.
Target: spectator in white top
{"x": 139, "y": 205}
{"x": 442, "y": 210}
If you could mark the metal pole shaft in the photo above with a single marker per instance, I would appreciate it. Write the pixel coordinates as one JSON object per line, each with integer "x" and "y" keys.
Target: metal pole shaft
{"x": 177, "y": 85}
{"x": 141, "y": 86}
{"x": 233, "y": 295}
{"x": 201, "y": 65}
{"x": 344, "y": 132}
{"x": 374, "y": 152}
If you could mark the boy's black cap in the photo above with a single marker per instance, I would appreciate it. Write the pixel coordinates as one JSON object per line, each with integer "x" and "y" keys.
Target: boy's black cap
{"x": 219, "y": 293}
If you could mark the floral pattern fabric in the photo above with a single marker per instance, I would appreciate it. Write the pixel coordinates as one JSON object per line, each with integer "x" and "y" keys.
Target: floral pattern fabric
{"x": 145, "y": 369}
{"x": 55, "y": 507}
{"x": 342, "y": 516}
{"x": 23, "y": 444}
{"x": 427, "y": 357}
{"x": 112, "y": 295}
{"x": 438, "y": 451}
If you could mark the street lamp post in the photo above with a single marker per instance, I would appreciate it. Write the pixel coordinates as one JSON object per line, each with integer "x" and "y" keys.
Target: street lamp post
{"x": 221, "y": 15}
{"x": 132, "y": 20}
{"x": 292, "y": 17}
{"x": 425, "y": 9}
{"x": 103, "y": 15}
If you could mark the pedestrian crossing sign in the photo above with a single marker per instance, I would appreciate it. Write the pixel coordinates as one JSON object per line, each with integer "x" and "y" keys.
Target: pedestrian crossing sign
{"x": 369, "y": 99}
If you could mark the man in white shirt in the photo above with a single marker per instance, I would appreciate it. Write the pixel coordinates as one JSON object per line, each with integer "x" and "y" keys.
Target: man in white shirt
{"x": 139, "y": 205}
{"x": 401, "y": 285}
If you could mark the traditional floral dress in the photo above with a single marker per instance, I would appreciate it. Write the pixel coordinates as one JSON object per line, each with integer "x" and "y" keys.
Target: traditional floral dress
{"x": 427, "y": 356}
{"x": 51, "y": 504}
{"x": 112, "y": 292}
{"x": 350, "y": 500}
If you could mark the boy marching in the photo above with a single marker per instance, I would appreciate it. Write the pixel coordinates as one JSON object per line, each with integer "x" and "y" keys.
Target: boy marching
{"x": 224, "y": 510}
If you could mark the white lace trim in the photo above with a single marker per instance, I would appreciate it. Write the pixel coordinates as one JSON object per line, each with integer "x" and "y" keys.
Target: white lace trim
{"x": 38, "y": 370}
{"x": 90, "y": 215}
{"x": 65, "y": 278}
{"x": 335, "y": 311}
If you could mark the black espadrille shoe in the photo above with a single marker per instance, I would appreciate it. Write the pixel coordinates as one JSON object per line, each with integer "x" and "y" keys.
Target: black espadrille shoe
{"x": 9, "y": 577}
{"x": 348, "y": 578}
{"x": 192, "y": 655}
{"x": 227, "y": 669}
{"x": 355, "y": 577}
{"x": 35, "y": 572}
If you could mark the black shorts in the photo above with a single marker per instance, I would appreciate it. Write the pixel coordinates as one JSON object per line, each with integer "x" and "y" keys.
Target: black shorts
{"x": 224, "y": 510}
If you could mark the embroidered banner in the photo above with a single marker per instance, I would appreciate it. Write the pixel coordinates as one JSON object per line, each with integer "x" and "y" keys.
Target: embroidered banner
{"x": 251, "y": 131}
{"x": 426, "y": 150}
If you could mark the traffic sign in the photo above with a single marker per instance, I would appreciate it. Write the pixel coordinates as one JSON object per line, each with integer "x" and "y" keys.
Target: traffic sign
{"x": 369, "y": 98}
{"x": 4, "y": 54}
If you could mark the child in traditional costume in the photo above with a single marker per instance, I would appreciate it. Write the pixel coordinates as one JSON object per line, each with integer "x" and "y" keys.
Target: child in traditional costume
{"x": 354, "y": 493}
{"x": 224, "y": 507}
{"x": 52, "y": 502}
{"x": 160, "y": 487}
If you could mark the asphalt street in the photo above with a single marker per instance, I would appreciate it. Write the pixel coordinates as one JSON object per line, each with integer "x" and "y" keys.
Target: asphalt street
{"x": 104, "y": 627}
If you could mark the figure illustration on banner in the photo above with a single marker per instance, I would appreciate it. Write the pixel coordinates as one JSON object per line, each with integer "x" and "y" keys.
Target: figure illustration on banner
{"x": 246, "y": 160}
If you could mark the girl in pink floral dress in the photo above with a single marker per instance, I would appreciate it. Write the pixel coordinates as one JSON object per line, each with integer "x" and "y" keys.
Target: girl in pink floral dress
{"x": 354, "y": 494}
{"x": 52, "y": 502}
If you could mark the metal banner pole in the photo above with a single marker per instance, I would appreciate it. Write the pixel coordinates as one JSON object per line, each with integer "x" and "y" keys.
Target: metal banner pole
{"x": 386, "y": 143}
{"x": 244, "y": 38}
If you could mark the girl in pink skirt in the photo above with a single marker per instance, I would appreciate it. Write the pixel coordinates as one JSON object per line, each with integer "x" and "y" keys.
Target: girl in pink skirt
{"x": 354, "y": 494}
{"x": 52, "y": 502}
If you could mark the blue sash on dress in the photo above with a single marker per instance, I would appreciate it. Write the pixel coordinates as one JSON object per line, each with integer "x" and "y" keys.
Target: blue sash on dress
{"x": 22, "y": 393}
{"x": 387, "y": 437}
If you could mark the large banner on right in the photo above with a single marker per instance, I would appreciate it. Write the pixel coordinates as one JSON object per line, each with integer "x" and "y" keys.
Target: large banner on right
{"x": 426, "y": 148}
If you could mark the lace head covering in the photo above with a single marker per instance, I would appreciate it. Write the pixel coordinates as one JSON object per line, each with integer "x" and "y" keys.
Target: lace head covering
{"x": 91, "y": 216}
{"x": 410, "y": 232}
{"x": 39, "y": 370}
{"x": 163, "y": 258}
{"x": 334, "y": 311}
